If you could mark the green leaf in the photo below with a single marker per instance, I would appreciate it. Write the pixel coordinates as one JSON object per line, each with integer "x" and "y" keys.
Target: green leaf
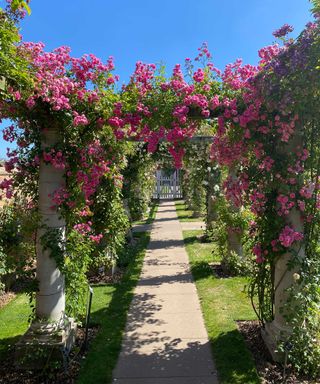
{"x": 16, "y": 4}
{"x": 27, "y": 8}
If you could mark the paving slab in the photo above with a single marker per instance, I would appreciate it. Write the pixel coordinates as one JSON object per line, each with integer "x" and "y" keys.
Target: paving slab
{"x": 165, "y": 341}
{"x": 170, "y": 361}
{"x": 165, "y": 303}
{"x": 181, "y": 325}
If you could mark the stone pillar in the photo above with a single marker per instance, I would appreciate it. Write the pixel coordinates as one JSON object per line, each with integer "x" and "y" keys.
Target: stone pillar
{"x": 211, "y": 200}
{"x": 211, "y": 212}
{"x": 50, "y": 298}
{"x": 234, "y": 242}
{"x": 279, "y": 329}
{"x": 158, "y": 177}
{"x": 51, "y": 331}
{"x": 234, "y": 236}
{"x": 127, "y": 210}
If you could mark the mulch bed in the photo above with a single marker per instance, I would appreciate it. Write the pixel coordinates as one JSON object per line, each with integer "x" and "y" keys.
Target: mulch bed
{"x": 6, "y": 297}
{"x": 269, "y": 371}
{"x": 107, "y": 277}
{"x": 9, "y": 375}
{"x": 219, "y": 271}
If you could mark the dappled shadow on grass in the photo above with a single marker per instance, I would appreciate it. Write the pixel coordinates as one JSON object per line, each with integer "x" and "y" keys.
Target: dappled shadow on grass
{"x": 105, "y": 349}
{"x": 233, "y": 360}
{"x": 191, "y": 240}
{"x": 201, "y": 270}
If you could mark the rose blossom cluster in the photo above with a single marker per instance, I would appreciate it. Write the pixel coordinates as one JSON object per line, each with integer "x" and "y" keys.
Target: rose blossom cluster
{"x": 61, "y": 80}
{"x": 249, "y": 134}
{"x": 288, "y": 236}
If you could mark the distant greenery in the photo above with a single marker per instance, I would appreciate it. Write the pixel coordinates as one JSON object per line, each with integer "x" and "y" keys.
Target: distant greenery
{"x": 14, "y": 68}
{"x": 223, "y": 302}
{"x": 151, "y": 215}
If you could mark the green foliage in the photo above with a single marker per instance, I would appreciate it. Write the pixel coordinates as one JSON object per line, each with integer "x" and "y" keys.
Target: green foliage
{"x": 14, "y": 68}
{"x": 315, "y": 6}
{"x": 109, "y": 219}
{"x": 3, "y": 268}
{"x": 18, "y": 4}
{"x": 17, "y": 242}
{"x": 235, "y": 265}
{"x": 139, "y": 181}
{"x": 301, "y": 83}
{"x": 229, "y": 218}
{"x": 73, "y": 258}
{"x": 303, "y": 312}
{"x": 195, "y": 176}
{"x": 76, "y": 265}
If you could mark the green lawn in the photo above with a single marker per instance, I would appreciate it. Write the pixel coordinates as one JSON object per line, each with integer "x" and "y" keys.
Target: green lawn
{"x": 223, "y": 301}
{"x": 110, "y": 307}
{"x": 184, "y": 214}
{"x": 14, "y": 322}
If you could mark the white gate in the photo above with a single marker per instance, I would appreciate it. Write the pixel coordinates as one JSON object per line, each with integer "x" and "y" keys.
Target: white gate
{"x": 167, "y": 185}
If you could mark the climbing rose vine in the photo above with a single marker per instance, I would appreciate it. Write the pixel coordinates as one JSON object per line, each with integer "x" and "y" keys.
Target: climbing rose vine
{"x": 265, "y": 120}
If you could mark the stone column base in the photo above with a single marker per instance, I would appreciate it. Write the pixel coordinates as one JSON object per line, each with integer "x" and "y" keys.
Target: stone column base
{"x": 44, "y": 344}
{"x": 196, "y": 214}
{"x": 272, "y": 335}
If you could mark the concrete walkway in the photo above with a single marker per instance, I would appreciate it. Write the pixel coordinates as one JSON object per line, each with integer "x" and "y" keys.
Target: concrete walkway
{"x": 185, "y": 226}
{"x": 165, "y": 341}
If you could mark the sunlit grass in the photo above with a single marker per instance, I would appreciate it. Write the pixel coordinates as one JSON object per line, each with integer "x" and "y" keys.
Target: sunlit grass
{"x": 185, "y": 214}
{"x": 14, "y": 322}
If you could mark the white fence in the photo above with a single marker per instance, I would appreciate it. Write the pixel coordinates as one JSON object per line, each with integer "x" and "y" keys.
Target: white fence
{"x": 167, "y": 185}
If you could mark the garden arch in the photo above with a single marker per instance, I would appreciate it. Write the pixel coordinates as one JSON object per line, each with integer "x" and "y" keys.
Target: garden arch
{"x": 73, "y": 138}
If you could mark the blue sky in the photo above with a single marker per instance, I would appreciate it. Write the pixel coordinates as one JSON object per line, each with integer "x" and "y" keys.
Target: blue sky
{"x": 165, "y": 31}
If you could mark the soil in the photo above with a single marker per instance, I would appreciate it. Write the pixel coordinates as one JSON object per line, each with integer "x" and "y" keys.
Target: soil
{"x": 269, "y": 371}
{"x": 9, "y": 375}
